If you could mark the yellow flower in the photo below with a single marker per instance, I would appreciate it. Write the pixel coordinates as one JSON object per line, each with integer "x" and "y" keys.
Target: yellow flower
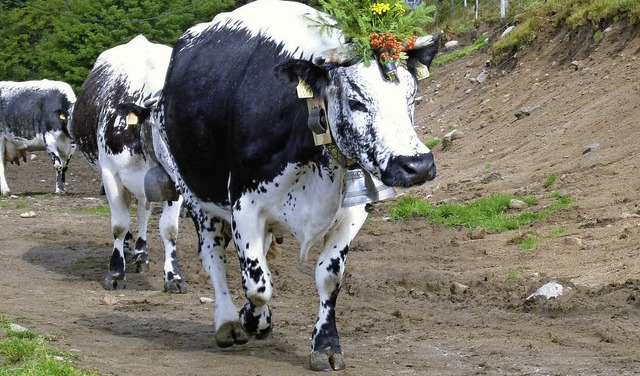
{"x": 380, "y": 8}
{"x": 399, "y": 7}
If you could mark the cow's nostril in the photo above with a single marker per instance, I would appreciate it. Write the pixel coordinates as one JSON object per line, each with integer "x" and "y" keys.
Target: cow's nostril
{"x": 406, "y": 171}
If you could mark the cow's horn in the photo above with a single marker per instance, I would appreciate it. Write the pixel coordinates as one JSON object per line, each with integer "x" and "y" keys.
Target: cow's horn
{"x": 427, "y": 40}
{"x": 338, "y": 56}
{"x": 150, "y": 102}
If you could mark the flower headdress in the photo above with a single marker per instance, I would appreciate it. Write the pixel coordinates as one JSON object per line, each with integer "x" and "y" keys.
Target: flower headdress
{"x": 376, "y": 28}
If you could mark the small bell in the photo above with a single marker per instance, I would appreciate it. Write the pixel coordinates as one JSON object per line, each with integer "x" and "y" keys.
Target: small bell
{"x": 363, "y": 188}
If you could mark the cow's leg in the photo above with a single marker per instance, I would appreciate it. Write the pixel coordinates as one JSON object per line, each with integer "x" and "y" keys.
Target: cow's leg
{"x": 120, "y": 223}
{"x": 173, "y": 281}
{"x": 127, "y": 246}
{"x": 214, "y": 236}
{"x": 249, "y": 238}
{"x": 326, "y": 352}
{"x": 140, "y": 253}
{"x": 4, "y": 188}
{"x": 60, "y": 172}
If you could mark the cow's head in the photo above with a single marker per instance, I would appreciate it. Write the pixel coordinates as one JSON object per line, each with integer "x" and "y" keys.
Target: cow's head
{"x": 371, "y": 116}
{"x": 59, "y": 144}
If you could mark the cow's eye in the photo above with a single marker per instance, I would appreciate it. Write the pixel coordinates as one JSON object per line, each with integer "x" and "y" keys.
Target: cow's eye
{"x": 355, "y": 105}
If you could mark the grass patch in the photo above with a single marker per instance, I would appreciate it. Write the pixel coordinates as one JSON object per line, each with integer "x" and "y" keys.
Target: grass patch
{"x": 479, "y": 43}
{"x": 556, "y": 231}
{"x": 551, "y": 178}
{"x": 24, "y": 352}
{"x": 553, "y": 14}
{"x": 432, "y": 142}
{"x": 514, "y": 275}
{"x": 526, "y": 241}
{"x": 100, "y": 210}
{"x": 491, "y": 213}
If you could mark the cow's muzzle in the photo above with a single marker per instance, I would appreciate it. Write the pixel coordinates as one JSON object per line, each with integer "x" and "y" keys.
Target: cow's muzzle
{"x": 407, "y": 171}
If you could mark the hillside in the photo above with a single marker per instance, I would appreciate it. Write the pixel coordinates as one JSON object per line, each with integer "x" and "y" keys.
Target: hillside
{"x": 583, "y": 101}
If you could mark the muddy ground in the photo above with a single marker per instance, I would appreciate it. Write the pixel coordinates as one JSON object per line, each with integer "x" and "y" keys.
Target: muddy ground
{"x": 398, "y": 313}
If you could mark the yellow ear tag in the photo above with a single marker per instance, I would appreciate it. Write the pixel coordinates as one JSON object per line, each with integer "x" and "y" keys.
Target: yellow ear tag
{"x": 62, "y": 117}
{"x": 132, "y": 119}
{"x": 422, "y": 71}
{"x": 304, "y": 90}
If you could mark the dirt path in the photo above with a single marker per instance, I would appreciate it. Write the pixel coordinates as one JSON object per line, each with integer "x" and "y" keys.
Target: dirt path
{"x": 397, "y": 313}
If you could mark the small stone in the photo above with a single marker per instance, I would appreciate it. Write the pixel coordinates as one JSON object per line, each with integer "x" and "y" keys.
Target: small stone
{"x": 29, "y": 214}
{"x": 205, "y": 300}
{"x": 524, "y": 111}
{"x": 572, "y": 240}
{"x": 450, "y": 45}
{"x": 590, "y": 148}
{"x": 458, "y": 288}
{"x": 109, "y": 299}
{"x": 478, "y": 233}
{"x": 549, "y": 290}
{"x": 17, "y": 328}
{"x": 507, "y": 31}
{"x": 517, "y": 204}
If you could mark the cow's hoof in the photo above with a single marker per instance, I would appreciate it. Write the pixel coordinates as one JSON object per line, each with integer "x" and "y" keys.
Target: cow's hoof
{"x": 326, "y": 360}
{"x": 175, "y": 286}
{"x": 231, "y": 333}
{"x": 141, "y": 262}
{"x": 256, "y": 320}
{"x": 115, "y": 282}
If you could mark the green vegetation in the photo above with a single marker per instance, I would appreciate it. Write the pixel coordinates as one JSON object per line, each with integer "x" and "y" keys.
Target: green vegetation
{"x": 100, "y": 210}
{"x": 556, "y": 231}
{"x": 490, "y": 213}
{"x": 432, "y": 142}
{"x": 24, "y": 352}
{"x": 526, "y": 241}
{"x": 551, "y": 178}
{"x": 385, "y": 26}
{"x": 61, "y": 39}
{"x": 575, "y": 13}
{"x": 514, "y": 275}
{"x": 479, "y": 43}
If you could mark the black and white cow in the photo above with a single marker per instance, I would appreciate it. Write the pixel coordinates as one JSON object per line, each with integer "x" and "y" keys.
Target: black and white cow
{"x": 33, "y": 117}
{"x": 132, "y": 72}
{"x": 246, "y": 160}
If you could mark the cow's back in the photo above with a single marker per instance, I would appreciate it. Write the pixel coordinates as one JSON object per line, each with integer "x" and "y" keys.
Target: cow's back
{"x": 222, "y": 96}
{"x": 29, "y": 108}
{"x": 131, "y": 72}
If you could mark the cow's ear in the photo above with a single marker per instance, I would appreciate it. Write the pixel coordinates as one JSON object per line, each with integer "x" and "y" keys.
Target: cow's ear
{"x": 62, "y": 115}
{"x": 313, "y": 75}
{"x": 422, "y": 56}
{"x": 133, "y": 113}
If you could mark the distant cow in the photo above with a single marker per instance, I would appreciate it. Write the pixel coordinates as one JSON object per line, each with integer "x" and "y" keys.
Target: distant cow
{"x": 246, "y": 160}
{"x": 33, "y": 116}
{"x": 132, "y": 72}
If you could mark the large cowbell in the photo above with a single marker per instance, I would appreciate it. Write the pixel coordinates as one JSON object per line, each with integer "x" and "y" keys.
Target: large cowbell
{"x": 363, "y": 188}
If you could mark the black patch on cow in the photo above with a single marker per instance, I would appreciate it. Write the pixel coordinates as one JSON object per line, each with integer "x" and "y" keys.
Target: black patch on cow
{"x": 231, "y": 119}
{"x": 116, "y": 264}
{"x": 327, "y": 335}
{"x": 98, "y": 98}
